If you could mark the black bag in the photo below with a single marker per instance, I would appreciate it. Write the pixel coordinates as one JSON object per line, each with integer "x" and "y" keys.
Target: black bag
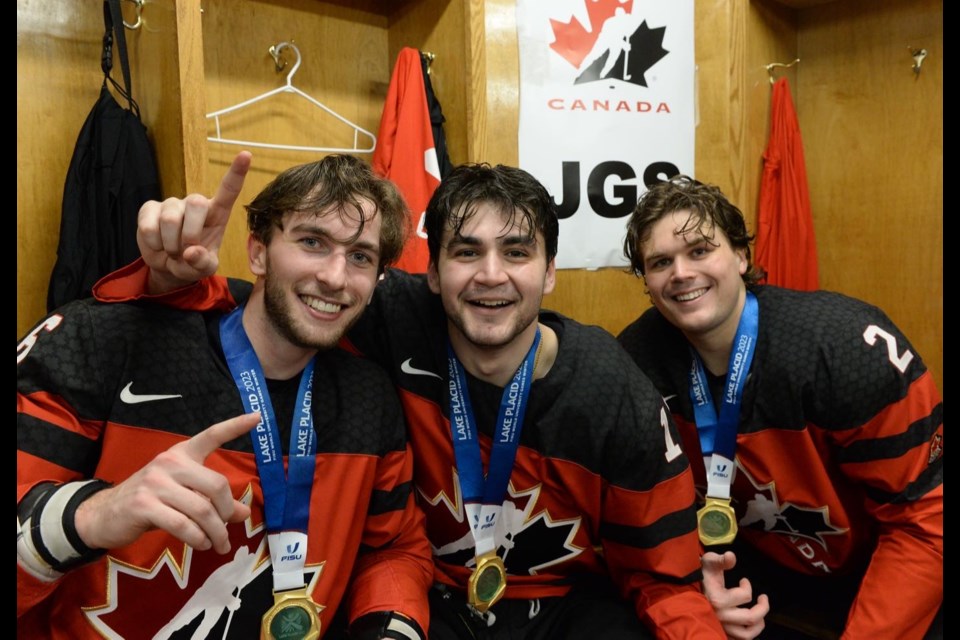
{"x": 112, "y": 173}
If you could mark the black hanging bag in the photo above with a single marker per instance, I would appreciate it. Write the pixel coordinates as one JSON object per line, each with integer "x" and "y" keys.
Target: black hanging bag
{"x": 112, "y": 173}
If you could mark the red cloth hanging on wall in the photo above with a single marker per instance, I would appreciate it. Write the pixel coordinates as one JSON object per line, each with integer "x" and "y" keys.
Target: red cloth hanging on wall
{"x": 405, "y": 151}
{"x": 786, "y": 246}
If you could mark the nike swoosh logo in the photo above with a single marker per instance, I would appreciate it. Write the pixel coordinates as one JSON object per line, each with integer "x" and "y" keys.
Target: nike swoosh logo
{"x": 667, "y": 399}
{"x": 406, "y": 367}
{"x": 134, "y": 398}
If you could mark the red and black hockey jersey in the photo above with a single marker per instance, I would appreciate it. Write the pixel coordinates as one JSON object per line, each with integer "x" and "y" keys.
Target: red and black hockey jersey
{"x": 599, "y": 483}
{"x": 76, "y": 419}
{"x": 839, "y": 449}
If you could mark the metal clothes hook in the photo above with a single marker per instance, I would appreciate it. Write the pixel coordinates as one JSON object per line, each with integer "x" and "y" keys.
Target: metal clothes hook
{"x": 278, "y": 61}
{"x": 429, "y": 56}
{"x": 282, "y": 63}
{"x": 139, "y": 22}
{"x": 918, "y": 56}
{"x": 770, "y": 67}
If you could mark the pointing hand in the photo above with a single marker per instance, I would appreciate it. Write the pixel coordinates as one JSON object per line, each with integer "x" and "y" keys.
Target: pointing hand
{"x": 174, "y": 492}
{"x": 180, "y": 238}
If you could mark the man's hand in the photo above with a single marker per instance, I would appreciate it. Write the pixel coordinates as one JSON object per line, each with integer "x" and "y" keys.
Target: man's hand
{"x": 173, "y": 492}
{"x": 739, "y": 620}
{"x": 179, "y": 239}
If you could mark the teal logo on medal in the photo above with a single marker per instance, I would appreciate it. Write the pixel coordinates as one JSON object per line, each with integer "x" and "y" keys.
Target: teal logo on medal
{"x": 292, "y": 623}
{"x": 715, "y": 524}
{"x": 488, "y": 583}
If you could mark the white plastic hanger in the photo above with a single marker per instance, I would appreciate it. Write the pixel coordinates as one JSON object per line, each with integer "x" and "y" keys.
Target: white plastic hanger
{"x": 289, "y": 88}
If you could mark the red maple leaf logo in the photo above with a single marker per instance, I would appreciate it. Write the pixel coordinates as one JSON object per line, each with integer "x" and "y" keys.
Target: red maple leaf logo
{"x": 176, "y": 573}
{"x": 573, "y": 41}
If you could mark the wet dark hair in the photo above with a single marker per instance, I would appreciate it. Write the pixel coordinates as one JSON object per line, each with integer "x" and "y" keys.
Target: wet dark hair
{"x": 338, "y": 181}
{"x": 516, "y": 194}
{"x": 709, "y": 210}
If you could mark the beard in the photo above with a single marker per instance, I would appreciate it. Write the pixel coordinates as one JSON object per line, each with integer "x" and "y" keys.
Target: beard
{"x": 484, "y": 337}
{"x": 281, "y": 317}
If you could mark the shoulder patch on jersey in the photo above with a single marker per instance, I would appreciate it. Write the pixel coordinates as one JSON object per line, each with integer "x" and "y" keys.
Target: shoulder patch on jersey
{"x": 936, "y": 448}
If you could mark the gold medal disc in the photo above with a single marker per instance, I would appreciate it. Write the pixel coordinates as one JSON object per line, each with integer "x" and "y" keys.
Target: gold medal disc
{"x": 293, "y": 616}
{"x": 487, "y": 582}
{"x": 717, "y": 522}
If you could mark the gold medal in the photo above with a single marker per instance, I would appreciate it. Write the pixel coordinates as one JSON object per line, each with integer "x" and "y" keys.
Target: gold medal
{"x": 293, "y": 616}
{"x": 717, "y": 522}
{"x": 487, "y": 582}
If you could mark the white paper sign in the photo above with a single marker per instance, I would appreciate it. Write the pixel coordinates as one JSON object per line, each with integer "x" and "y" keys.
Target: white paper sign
{"x": 607, "y": 106}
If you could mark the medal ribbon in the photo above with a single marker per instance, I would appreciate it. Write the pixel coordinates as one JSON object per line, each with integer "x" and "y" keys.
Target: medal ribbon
{"x": 286, "y": 497}
{"x": 483, "y": 500}
{"x": 718, "y": 435}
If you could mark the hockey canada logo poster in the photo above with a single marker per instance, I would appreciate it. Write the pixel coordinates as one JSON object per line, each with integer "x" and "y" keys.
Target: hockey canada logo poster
{"x": 607, "y": 107}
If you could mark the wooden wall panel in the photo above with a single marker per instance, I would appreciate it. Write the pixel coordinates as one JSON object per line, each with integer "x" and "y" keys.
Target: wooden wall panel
{"x": 165, "y": 55}
{"x": 476, "y": 79}
{"x": 718, "y": 48}
{"x": 873, "y": 135}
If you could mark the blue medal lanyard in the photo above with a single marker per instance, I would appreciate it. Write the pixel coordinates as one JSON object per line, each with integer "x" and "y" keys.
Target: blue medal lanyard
{"x": 718, "y": 435}
{"x": 483, "y": 499}
{"x": 286, "y": 497}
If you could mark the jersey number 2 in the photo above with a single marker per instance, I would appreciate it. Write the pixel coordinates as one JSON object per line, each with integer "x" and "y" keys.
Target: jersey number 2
{"x": 899, "y": 361}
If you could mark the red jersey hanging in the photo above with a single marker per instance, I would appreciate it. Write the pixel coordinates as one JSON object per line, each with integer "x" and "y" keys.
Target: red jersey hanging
{"x": 786, "y": 247}
{"x": 406, "y": 153}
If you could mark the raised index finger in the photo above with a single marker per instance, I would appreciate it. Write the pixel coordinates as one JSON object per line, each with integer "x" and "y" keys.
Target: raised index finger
{"x": 713, "y": 568}
{"x": 212, "y": 438}
{"x": 229, "y": 189}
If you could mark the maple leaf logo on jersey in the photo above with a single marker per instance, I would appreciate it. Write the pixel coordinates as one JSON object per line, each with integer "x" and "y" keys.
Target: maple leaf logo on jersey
{"x": 618, "y": 45}
{"x": 528, "y": 540}
{"x": 203, "y": 595}
{"x": 765, "y": 512}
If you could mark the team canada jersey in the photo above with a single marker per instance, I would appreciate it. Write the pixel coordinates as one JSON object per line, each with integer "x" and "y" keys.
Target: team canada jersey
{"x": 102, "y": 389}
{"x": 839, "y": 450}
{"x": 599, "y": 483}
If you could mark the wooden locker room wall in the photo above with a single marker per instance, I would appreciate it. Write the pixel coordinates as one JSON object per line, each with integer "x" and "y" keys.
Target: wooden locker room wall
{"x": 873, "y": 141}
{"x": 186, "y": 63}
{"x": 873, "y": 131}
